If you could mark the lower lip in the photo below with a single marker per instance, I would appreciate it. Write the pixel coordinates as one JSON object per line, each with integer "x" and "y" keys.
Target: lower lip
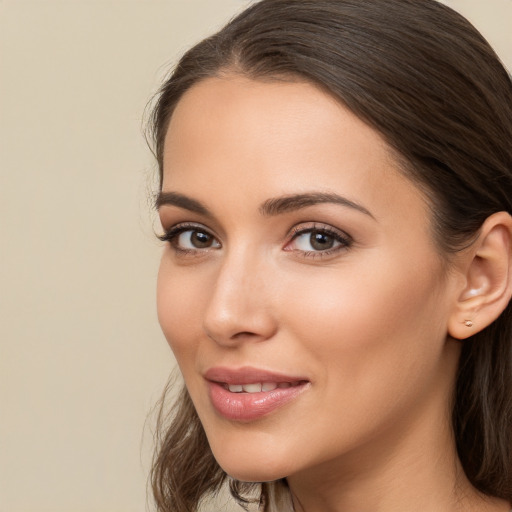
{"x": 251, "y": 406}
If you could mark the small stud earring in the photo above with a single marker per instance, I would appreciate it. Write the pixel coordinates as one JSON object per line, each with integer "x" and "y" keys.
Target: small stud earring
{"x": 468, "y": 323}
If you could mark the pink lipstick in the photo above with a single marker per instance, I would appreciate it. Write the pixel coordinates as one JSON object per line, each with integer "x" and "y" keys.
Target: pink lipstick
{"x": 247, "y": 394}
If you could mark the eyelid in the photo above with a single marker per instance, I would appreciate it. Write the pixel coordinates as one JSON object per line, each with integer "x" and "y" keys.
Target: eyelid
{"x": 170, "y": 233}
{"x": 344, "y": 239}
{"x": 174, "y": 231}
{"x": 304, "y": 227}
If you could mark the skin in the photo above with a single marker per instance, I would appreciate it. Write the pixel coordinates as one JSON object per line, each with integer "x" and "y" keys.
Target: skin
{"x": 365, "y": 321}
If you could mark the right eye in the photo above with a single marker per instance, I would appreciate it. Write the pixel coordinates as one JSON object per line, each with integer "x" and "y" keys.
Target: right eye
{"x": 194, "y": 239}
{"x": 189, "y": 239}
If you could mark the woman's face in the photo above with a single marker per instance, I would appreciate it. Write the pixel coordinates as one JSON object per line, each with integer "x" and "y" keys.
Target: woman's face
{"x": 301, "y": 290}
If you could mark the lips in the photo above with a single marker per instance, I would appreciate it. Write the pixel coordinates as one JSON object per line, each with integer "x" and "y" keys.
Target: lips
{"x": 247, "y": 394}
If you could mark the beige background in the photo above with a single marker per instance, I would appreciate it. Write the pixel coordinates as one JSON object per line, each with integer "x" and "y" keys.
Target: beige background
{"x": 81, "y": 356}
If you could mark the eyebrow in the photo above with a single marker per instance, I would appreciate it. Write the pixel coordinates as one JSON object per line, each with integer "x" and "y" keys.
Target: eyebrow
{"x": 181, "y": 201}
{"x": 295, "y": 202}
{"x": 270, "y": 208}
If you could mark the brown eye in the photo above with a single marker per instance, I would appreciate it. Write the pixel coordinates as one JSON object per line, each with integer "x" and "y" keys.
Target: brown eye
{"x": 320, "y": 241}
{"x": 191, "y": 239}
{"x": 201, "y": 240}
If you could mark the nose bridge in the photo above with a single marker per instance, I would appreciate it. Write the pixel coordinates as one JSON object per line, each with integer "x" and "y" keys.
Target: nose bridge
{"x": 240, "y": 305}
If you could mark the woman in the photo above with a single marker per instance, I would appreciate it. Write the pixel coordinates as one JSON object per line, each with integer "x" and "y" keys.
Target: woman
{"x": 336, "y": 190}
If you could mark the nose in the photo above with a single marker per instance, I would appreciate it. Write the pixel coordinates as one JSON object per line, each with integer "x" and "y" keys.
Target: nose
{"x": 240, "y": 306}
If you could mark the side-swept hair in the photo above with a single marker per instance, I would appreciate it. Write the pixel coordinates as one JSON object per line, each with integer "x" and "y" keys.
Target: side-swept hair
{"x": 422, "y": 76}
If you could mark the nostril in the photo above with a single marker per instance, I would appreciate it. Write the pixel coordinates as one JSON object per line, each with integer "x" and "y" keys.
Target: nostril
{"x": 244, "y": 334}
{"x": 238, "y": 337}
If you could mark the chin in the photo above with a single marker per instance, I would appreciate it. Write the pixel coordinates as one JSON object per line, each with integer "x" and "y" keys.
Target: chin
{"x": 250, "y": 465}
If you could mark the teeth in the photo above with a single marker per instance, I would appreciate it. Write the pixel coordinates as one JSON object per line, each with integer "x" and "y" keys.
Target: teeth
{"x": 258, "y": 387}
{"x": 252, "y": 388}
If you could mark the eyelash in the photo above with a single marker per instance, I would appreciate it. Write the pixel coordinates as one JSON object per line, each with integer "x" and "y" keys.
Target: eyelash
{"x": 172, "y": 235}
{"x": 343, "y": 239}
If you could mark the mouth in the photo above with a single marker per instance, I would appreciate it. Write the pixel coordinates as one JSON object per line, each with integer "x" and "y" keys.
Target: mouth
{"x": 248, "y": 394}
{"x": 259, "y": 387}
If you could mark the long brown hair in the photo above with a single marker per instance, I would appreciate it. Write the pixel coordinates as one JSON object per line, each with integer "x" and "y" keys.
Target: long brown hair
{"x": 421, "y": 75}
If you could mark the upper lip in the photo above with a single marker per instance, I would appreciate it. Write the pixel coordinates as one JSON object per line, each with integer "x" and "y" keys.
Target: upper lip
{"x": 248, "y": 375}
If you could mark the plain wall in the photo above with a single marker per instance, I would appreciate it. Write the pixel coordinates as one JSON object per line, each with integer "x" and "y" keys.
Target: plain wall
{"x": 82, "y": 359}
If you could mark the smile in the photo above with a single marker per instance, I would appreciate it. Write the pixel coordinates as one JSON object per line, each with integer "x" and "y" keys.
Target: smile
{"x": 258, "y": 387}
{"x": 248, "y": 394}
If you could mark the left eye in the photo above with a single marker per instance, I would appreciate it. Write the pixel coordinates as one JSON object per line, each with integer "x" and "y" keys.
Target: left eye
{"x": 317, "y": 240}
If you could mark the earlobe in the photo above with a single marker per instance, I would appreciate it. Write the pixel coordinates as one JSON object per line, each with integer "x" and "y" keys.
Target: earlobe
{"x": 488, "y": 281}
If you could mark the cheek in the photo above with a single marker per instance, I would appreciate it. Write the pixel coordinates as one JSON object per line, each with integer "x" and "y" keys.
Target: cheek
{"x": 374, "y": 342}
{"x": 366, "y": 323}
{"x": 178, "y": 306}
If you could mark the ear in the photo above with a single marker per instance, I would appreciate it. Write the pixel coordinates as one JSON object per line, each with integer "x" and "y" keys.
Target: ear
{"x": 487, "y": 287}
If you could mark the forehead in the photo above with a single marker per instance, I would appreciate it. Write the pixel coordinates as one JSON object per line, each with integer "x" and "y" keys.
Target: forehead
{"x": 259, "y": 139}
